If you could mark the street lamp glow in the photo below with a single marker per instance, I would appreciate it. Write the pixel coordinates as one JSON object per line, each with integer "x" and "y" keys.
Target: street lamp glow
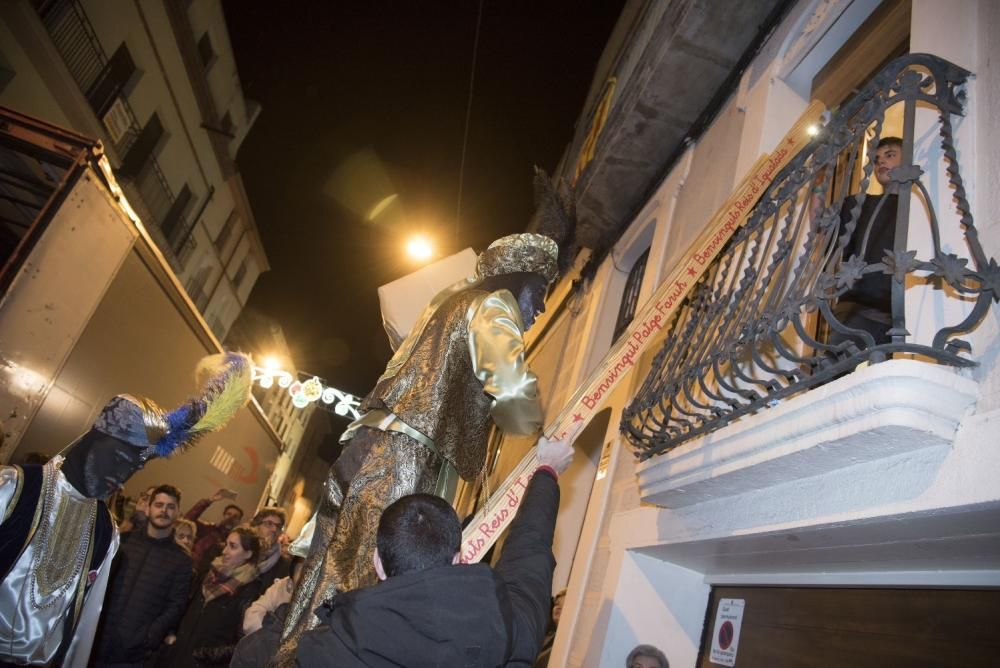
{"x": 419, "y": 248}
{"x": 271, "y": 363}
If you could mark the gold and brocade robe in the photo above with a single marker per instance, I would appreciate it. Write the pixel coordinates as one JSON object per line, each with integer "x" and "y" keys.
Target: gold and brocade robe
{"x": 459, "y": 371}
{"x": 464, "y": 370}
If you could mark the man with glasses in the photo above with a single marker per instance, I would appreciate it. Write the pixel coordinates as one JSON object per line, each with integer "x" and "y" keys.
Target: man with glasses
{"x": 269, "y": 522}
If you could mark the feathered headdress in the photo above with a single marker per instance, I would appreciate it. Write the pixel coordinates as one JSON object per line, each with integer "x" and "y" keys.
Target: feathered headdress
{"x": 225, "y": 382}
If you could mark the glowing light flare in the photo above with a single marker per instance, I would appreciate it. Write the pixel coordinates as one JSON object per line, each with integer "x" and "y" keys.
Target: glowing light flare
{"x": 419, "y": 248}
{"x": 812, "y": 130}
{"x": 381, "y": 207}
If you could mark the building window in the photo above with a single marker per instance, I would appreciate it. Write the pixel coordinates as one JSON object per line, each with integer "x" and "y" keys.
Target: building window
{"x": 174, "y": 225}
{"x": 205, "y": 51}
{"x": 217, "y": 327}
{"x": 7, "y": 72}
{"x": 196, "y": 288}
{"x": 226, "y": 233}
{"x": 883, "y": 36}
{"x": 241, "y": 273}
{"x": 630, "y": 298}
{"x": 143, "y": 149}
{"x": 112, "y": 81}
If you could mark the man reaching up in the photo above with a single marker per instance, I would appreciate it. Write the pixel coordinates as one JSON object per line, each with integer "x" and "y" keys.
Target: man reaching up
{"x": 430, "y": 610}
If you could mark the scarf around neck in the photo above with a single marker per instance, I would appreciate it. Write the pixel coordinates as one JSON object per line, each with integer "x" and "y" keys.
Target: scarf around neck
{"x": 222, "y": 581}
{"x": 268, "y": 558}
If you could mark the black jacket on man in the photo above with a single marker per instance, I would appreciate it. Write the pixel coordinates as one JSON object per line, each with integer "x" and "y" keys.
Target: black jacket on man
{"x": 464, "y": 615}
{"x": 876, "y": 221}
{"x": 146, "y": 596}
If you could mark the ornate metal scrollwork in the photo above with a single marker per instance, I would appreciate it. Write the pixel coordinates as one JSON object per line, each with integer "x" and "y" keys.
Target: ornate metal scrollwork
{"x": 774, "y": 316}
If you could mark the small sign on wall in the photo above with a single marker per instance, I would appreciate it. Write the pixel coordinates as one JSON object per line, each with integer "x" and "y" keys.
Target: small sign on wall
{"x": 726, "y": 634}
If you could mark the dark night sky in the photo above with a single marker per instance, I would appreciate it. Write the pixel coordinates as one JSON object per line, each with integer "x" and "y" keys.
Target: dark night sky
{"x": 392, "y": 79}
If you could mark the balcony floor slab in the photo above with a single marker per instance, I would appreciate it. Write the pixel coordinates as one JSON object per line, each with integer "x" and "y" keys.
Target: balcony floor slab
{"x": 876, "y": 412}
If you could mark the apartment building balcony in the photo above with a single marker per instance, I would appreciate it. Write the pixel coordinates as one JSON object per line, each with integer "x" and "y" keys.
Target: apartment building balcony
{"x": 105, "y": 81}
{"x": 763, "y": 378}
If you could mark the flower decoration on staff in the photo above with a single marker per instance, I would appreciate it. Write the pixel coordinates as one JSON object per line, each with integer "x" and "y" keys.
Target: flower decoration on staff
{"x": 309, "y": 391}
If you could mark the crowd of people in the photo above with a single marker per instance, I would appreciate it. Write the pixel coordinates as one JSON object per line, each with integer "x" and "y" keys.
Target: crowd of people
{"x": 184, "y": 592}
{"x": 187, "y": 592}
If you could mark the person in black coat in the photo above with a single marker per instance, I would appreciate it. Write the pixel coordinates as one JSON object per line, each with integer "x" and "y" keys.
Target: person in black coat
{"x": 867, "y": 304}
{"x": 429, "y": 610}
{"x": 210, "y": 629}
{"x": 149, "y": 585}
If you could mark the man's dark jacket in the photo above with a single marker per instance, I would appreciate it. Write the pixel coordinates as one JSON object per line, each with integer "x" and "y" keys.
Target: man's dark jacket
{"x": 146, "y": 596}
{"x": 465, "y": 615}
{"x": 874, "y": 289}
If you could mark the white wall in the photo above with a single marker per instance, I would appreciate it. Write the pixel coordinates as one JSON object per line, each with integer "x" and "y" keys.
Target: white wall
{"x": 43, "y": 87}
{"x": 655, "y": 603}
{"x": 642, "y": 574}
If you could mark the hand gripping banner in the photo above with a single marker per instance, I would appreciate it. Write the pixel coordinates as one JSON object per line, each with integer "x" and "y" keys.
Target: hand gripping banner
{"x": 491, "y": 521}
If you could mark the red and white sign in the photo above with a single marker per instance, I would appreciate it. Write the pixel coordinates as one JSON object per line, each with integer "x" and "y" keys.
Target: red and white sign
{"x": 726, "y": 632}
{"x": 589, "y": 399}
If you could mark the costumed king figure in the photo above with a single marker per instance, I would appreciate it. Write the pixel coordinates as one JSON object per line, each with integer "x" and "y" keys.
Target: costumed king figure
{"x": 57, "y": 538}
{"x": 460, "y": 369}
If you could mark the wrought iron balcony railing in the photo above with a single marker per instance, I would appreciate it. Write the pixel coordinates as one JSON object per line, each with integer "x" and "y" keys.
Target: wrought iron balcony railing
{"x": 77, "y": 43}
{"x": 820, "y": 279}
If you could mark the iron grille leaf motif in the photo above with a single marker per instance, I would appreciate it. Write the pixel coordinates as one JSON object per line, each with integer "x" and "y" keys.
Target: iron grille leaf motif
{"x": 766, "y": 321}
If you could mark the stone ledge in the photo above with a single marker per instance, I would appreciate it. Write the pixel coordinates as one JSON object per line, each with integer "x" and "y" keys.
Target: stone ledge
{"x": 879, "y": 411}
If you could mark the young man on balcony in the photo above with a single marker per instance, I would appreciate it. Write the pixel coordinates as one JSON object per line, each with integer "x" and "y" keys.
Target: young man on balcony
{"x": 867, "y": 305}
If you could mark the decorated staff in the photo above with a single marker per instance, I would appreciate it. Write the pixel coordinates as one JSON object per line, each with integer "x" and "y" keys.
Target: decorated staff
{"x": 57, "y": 538}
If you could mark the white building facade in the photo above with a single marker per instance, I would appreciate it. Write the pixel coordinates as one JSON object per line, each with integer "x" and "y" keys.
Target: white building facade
{"x": 90, "y": 308}
{"x": 751, "y": 471}
{"x": 157, "y": 83}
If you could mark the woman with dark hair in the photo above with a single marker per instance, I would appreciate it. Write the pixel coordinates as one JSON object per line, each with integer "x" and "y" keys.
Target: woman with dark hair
{"x": 210, "y": 629}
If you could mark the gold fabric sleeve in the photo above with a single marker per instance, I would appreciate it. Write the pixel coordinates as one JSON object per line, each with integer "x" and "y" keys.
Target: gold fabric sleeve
{"x": 496, "y": 344}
